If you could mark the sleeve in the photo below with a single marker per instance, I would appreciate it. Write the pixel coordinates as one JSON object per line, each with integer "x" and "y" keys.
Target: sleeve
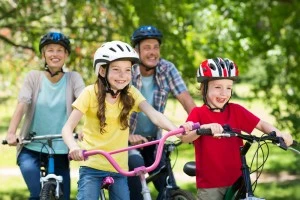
{"x": 176, "y": 83}
{"x": 78, "y": 84}
{"x": 27, "y": 89}
{"x": 138, "y": 97}
{"x": 245, "y": 115}
{"x": 82, "y": 103}
{"x": 194, "y": 115}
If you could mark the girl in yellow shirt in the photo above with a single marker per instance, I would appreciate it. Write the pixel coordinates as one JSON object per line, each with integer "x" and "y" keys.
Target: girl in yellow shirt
{"x": 107, "y": 105}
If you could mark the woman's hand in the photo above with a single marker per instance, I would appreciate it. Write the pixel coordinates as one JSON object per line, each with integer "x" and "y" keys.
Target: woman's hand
{"x": 12, "y": 139}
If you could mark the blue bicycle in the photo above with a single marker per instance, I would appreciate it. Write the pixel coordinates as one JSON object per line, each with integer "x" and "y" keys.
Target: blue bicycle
{"x": 51, "y": 184}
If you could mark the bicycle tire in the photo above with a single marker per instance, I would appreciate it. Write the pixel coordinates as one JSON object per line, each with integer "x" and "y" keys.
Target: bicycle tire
{"x": 180, "y": 194}
{"x": 236, "y": 191}
{"x": 48, "y": 191}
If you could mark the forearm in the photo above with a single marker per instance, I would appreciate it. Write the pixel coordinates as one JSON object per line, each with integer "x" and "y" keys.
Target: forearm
{"x": 265, "y": 127}
{"x": 67, "y": 134}
{"x": 16, "y": 119}
{"x": 163, "y": 122}
{"x": 67, "y": 131}
{"x": 186, "y": 101}
{"x": 190, "y": 137}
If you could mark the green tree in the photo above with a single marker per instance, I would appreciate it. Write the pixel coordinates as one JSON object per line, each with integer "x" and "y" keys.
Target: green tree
{"x": 262, "y": 37}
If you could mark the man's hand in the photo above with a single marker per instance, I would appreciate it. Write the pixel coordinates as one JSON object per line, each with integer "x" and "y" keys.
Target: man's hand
{"x": 136, "y": 139}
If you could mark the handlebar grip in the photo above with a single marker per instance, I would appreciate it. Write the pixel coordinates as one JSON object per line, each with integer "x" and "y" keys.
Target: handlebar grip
{"x": 85, "y": 157}
{"x": 196, "y": 126}
{"x": 4, "y": 142}
{"x": 282, "y": 143}
{"x": 203, "y": 131}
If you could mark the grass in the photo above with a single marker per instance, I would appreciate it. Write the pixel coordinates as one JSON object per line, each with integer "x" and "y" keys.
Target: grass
{"x": 13, "y": 187}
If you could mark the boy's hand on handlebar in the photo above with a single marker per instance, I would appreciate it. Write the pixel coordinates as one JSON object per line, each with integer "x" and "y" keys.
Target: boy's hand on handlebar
{"x": 76, "y": 154}
{"x": 288, "y": 139}
{"x": 214, "y": 127}
{"x": 136, "y": 139}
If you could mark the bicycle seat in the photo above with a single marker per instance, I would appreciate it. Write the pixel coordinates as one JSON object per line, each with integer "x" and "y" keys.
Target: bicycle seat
{"x": 190, "y": 168}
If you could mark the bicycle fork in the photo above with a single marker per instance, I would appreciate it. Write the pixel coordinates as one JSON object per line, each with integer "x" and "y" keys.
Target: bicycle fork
{"x": 51, "y": 174}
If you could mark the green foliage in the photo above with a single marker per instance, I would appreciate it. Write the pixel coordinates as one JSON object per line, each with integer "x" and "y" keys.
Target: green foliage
{"x": 262, "y": 37}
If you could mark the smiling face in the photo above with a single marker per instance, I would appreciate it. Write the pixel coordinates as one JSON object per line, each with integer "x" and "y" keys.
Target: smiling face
{"x": 55, "y": 56}
{"x": 149, "y": 52}
{"x": 119, "y": 74}
{"x": 219, "y": 92}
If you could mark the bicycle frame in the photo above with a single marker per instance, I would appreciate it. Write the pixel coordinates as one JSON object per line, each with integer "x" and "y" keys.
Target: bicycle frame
{"x": 139, "y": 171}
{"x": 166, "y": 169}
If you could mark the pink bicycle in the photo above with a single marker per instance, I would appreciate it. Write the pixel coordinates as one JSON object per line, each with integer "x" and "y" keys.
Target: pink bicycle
{"x": 139, "y": 171}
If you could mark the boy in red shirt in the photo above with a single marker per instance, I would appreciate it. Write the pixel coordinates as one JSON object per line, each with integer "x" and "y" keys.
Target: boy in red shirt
{"x": 218, "y": 163}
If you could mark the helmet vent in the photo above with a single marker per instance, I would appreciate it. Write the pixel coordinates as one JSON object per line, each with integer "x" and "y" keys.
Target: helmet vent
{"x": 212, "y": 66}
{"x": 112, "y": 49}
{"x": 128, "y": 48}
{"x": 120, "y": 47}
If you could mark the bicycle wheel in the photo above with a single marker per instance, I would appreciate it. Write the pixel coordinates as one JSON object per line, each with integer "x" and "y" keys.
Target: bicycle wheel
{"x": 236, "y": 191}
{"x": 180, "y": 194}
{"x": 48, "y": 191}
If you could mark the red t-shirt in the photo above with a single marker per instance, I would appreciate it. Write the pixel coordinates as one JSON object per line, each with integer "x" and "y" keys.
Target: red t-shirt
{"x": 218, "y": 162}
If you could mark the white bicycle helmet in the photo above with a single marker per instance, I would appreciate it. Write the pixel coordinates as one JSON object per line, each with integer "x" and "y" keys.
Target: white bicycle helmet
{"x": 217, "y": 68}
{"x": 111, "y": 51}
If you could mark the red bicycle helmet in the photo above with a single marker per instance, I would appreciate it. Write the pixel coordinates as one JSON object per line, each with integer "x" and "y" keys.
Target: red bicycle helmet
{"x": 217, "y": 68}
{"x": 55, "y": 38}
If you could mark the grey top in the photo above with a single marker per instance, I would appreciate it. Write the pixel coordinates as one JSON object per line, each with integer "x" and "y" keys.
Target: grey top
{"x": 30, "y": 90}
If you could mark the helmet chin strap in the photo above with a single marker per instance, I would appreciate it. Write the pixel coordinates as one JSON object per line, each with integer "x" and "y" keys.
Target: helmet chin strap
{"x": 108, "y": 88}
{"x": 221, "y": 109}
{"x": 55, "y": 73}
{"x": 113, "y": 94}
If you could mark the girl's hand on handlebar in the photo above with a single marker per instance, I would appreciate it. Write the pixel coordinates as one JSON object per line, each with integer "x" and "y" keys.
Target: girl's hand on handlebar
{"x": 188, "y": 126}
{"x": 76, "y": 154}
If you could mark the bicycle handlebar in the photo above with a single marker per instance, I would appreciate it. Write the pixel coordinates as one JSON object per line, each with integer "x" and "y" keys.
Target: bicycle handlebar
{"x": 31, "y": 138}
{"x": 229, "y": 132}
{"x": 142, "y": 169}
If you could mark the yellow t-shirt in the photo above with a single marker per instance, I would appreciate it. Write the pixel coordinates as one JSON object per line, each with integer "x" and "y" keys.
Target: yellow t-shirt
{"x": 114, "y": 138}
